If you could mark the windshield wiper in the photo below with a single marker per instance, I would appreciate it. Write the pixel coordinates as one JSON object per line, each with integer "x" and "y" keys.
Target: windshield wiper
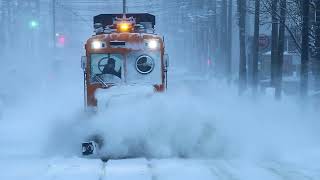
{"x": 100, "y": 80}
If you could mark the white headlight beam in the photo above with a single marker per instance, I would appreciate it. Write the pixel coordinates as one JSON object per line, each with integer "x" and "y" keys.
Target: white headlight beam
{"x": 97, "y": 44}
{"x": 153, "y": 44}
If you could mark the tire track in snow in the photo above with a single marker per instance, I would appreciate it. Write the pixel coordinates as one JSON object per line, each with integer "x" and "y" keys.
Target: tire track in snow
{"x": 239, "y": 170}
{"x": 103, "y": 170}
{"x": 73, "y": 168}
{"x": 177, "y": 168}
{"x": 123, "y": 169}
{"x": 290, "y": 175}
{"x": 286, "y": 172}
{"x": 151, "y": 168}
{"x": 221, "y": 170}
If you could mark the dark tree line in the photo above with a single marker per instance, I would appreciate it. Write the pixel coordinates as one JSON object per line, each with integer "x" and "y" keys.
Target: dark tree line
{"x": 297, "y": 19}
{"x": 204, "y": 30}
{"x": 212, "y": 31}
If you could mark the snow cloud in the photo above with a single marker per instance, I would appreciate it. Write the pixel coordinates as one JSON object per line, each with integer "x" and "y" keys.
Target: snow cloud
{"x": 199, "y": 118}
{"x": 194, "y": 118}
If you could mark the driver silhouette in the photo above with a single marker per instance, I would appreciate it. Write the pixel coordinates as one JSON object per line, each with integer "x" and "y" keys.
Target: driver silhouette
{"x": 109, "y": 68}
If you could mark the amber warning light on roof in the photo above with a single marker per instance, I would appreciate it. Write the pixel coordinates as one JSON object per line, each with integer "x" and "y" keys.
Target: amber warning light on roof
{"x": 124, "y": 27}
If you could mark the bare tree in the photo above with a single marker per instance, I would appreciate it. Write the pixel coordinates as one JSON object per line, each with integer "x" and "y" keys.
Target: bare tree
{"x": 5, "y": 25}
{"x": 229, "y": 43}
{"x": 242, "y": 36}
{"x": 274, "y": 43}
{"x": 304, "y": 49}
{"x": 316, "y": 53}
{"x": 2, "y": 27}
{"x": 255, "y": 57}
{"x": 278, "y": 83}
{"x": 214, "y": 24}
{"x": 223, "y": 37}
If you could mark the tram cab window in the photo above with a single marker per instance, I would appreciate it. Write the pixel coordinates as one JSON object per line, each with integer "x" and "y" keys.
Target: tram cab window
{"x": 106, "y": 67}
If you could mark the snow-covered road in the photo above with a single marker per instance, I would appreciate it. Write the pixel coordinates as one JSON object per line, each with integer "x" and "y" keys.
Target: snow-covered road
{"x": 225, "y": 137}
{"x": 154, "y": 169}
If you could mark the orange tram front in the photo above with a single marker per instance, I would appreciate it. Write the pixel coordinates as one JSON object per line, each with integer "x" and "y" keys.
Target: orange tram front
{"x": 124, "y": 51}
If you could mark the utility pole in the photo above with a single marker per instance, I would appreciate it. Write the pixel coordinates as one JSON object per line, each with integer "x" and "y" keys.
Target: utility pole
{"x": 304, "y": 49}
{"x": 255, "y": 58}
{"x": 124, "y": 7}
{"x": 34, "y": 20}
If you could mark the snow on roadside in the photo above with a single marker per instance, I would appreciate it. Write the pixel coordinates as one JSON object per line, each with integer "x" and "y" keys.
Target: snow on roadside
{"x": 133, "y": 169}
{"x": 173, "y": 169}
{"x": 195, "y": 119}
{"x": 52, "y": 168}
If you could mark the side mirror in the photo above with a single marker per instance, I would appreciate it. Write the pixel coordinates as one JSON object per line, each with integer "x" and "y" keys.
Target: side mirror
{"x": 166, "y": 60}
{"x": 84, "y": 62}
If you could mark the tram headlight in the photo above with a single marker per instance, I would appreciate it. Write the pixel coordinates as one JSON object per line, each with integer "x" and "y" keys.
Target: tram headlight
{"x": 152, "y": 44}
{"x": 97, "y": 45}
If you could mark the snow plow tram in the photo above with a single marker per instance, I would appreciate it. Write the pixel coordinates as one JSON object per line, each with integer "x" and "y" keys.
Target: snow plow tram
{"x": 124, "y": 52}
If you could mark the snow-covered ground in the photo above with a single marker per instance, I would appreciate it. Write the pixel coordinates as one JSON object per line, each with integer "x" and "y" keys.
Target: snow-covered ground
{"x": 199, "y": 129}
{"x": 154, "y": 169}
